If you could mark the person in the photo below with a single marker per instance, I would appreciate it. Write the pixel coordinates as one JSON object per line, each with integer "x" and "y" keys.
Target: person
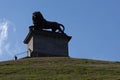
{"x": 15, "y": 57}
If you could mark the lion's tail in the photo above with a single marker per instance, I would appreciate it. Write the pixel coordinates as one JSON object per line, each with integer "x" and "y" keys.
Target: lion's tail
{"x": 62, "y": 27}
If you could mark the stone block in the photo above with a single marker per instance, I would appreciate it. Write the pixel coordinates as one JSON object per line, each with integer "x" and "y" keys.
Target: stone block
{"x": 41, "y": 43}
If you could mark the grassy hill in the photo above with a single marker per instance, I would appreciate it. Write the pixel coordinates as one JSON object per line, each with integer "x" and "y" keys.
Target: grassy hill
{"x": 59, "y": 68}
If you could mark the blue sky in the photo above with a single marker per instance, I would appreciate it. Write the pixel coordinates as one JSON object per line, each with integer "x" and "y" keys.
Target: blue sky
{"x": 93, "y": 24}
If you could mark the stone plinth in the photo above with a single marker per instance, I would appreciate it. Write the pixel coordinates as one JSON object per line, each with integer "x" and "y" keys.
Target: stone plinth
{"x": 46, "y": 43}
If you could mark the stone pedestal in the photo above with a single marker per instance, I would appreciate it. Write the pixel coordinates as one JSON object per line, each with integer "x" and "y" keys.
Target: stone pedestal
{"x": 41, "y": 43}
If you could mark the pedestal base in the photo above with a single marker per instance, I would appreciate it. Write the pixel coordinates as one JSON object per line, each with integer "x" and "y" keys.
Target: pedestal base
{"x": 46, "y": 43}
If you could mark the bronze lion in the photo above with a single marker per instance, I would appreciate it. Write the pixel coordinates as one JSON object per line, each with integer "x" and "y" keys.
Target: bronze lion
{"x": 41, "y": 23}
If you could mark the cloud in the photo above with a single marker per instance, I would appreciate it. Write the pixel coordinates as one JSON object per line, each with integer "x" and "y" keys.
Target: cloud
{"x": 5, "y": 44}
{"x": 9, "y": 44}
{"x": 3, "y": 34}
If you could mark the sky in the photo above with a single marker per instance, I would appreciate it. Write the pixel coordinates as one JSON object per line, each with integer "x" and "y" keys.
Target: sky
{"x": 93, "y": 24}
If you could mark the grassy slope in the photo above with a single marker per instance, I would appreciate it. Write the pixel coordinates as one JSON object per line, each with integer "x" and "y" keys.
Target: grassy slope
{"x": 54, "y": 68}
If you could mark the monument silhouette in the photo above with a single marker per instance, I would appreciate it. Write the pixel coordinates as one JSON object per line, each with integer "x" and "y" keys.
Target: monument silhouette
{"x": 42, "y": 42}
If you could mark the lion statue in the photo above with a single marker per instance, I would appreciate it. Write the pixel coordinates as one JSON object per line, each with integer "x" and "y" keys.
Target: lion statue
{"x": 41, "y": 23}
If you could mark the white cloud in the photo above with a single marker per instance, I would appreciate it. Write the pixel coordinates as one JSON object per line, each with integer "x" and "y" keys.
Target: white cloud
{"x": 3, "y": 35}
{"x": 9, "y": 44}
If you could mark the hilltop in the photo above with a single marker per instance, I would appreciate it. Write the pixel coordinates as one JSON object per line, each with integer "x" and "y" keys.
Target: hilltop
{"x": 59, "y": 68}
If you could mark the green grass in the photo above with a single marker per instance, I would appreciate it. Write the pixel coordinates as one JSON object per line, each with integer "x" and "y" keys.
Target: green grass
{"x": 59, "y": 68}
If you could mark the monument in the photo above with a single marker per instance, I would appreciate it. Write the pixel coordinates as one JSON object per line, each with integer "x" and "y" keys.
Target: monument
{"x": 41, "y": 42}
